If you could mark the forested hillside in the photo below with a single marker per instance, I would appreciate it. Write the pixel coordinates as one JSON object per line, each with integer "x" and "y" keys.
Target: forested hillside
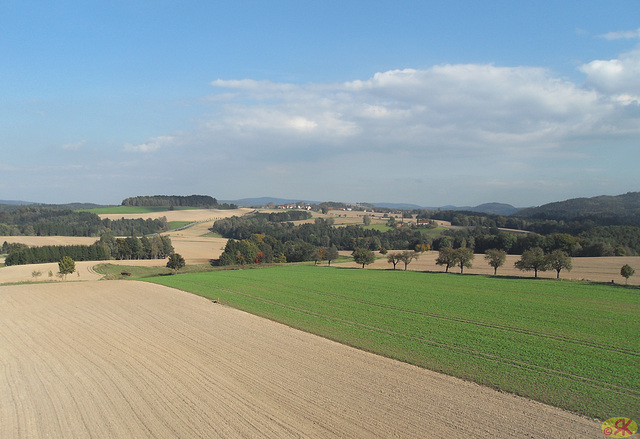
{"x": 603, "y": 210}
{"x": 200, "y": 201}
{"x": 48, "y": 221}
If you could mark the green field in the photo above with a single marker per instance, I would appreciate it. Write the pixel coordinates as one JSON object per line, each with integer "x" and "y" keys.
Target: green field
{"x": 572, "y": 345}
{"x": 132, "y": 209}
{"x": 178, "y": 224}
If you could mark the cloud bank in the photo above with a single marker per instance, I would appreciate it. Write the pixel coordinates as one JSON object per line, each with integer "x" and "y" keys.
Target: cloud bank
{"x": 412, "y": 134}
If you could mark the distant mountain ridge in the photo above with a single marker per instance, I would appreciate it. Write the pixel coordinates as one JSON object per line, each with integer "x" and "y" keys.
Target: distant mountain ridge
{"x": 603, "y": 210}
{"x": 15, "y": 202}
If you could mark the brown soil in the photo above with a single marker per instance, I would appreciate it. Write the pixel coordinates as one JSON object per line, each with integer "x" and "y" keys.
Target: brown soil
{"x": 123, "y": 359}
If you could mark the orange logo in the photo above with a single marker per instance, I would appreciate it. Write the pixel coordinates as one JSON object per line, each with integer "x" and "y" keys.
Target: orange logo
{"x": 619, "y": 427}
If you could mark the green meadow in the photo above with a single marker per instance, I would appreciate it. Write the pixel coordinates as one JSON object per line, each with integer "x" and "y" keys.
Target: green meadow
{"x": 568, "y": 344}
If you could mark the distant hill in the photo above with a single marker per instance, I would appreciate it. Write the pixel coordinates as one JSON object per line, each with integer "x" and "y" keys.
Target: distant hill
{"x": 491, "y": 208}
{"x": 14, "y": 202}
{"x": 401, "y": 206}
{"x": 602, "y": 210}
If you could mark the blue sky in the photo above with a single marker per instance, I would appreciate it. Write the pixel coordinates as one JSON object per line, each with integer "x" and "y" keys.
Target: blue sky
{"x": 425, "y": 102}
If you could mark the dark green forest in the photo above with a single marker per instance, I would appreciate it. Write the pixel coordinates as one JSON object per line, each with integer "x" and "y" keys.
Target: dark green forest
{"x": 200, "y": 201}
{"x": 108, "y": 247}
{"x": 49, "y": 221}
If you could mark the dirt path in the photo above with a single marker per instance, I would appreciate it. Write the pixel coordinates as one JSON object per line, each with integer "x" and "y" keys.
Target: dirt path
{"x": 123, "y": 359}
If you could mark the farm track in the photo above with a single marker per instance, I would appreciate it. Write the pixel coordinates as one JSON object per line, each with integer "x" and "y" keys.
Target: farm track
{"x": 476, "y": 353}
{"x": 468, "y": 321}
{"x": 124, "y": 359}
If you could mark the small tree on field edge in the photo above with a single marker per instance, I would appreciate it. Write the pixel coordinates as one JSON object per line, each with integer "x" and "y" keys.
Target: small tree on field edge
{"x": 627, "y": 271}
{"x": 446, "y": 257}
{"x": 463, "y": 257}
{"x": 363, "y": 256}
{"x": 66, "y": 266}
{"x": 496, "y": 258}
{"x": 559, "y": 260}
{"x": 407, "y": 256}
{"x": 394, "y": 258}
{"x": 175, "y": 262}
{"x": 532, "y": 260}
{"x": 332, "y": 254}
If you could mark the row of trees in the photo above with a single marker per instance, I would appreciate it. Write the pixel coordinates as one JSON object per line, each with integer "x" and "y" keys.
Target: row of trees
{"x": 531, "y": 260}
{"x": 595, "y": 238}
{"x": 287, "y": 215}
{"x": 320, "y": 233}
{"x": 47, "y": 221}
{"x": 479, "y": 239}
{"x": 202, "y": 201}
{"x": 108, "y": 247}
{"x": 264, "y": 249}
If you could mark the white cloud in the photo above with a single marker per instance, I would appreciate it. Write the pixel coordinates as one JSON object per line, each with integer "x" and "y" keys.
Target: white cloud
{"x": 452, "y": 106}
{"x": 73, "y": 146}
{"x": 618, "y": 77}
{"x": 622, "y": 35}
{"x": 480, "y": 122}
{"x": 151, "y": 145}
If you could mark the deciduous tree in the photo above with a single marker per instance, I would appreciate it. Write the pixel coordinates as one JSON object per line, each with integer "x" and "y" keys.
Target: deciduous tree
{"x": 394, "y": 258}
{"x": 532, "y": 260}
{"x": 175, "y": 262}
{"x": 626, "y": 271}
{"x": 66, "y": 266}
{"x": 463, "y": 257}
{"x": 407, "y": 256}
{"x": 363, "y": 256}
{"x": 332, "y": 254}
{"x": 496, "y": 258}
{"x": 446, "y": 257}
{"x": 558, "y": 260}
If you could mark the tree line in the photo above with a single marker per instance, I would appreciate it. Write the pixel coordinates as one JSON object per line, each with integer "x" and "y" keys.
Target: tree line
{"x": 108, "y": 247}
{"x": 201, "y": 201}
{"x": 596, "y": 235}
{"x": 47, "y": 221}
{"x": 321, "y": 233}
{"x": 287, "y": 215}
{"x": 479, "y": 239}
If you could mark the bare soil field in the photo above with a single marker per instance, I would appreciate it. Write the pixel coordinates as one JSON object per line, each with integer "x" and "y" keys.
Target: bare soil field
{"x": 124, "y": 359}
{"x": 604, "y": 269}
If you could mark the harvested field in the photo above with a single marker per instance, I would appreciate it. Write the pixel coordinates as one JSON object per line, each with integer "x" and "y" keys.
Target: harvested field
{"x": 194, "y": 247}
{"x": 181, "y": 215}
{"x": 34, "y": 241}
{"x": 22, "y": 273}
{"x": 129, "y": 359}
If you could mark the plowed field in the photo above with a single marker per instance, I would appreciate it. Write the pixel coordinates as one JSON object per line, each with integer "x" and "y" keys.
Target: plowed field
{"x": 123, "y": 359}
